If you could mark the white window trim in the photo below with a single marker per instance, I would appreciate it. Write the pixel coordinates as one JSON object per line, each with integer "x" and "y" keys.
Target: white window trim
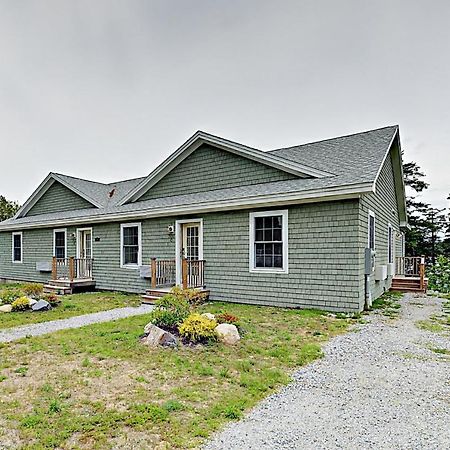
{"x": 284, "y": 236}
{"x": 17, "y": 233}
{"x": 371, "y": 214}
{"x": 128, "y": 225}
{"x": 60, "y": 230}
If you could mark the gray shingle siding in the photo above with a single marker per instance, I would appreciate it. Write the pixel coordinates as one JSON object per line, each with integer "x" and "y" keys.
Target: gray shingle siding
{"x": 323, "y": 257}
{"x": 384, "y": 204}
{"x": 58, "y": 198}
{"x": 210, "y": 168}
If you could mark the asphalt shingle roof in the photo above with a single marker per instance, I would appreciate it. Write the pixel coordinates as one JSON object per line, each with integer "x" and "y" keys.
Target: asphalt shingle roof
{"x": 352, "y": 159}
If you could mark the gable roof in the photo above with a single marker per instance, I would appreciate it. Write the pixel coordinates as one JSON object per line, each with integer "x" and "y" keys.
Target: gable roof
{"x": 352, "y": 165}
{"x": 199, "y": 138}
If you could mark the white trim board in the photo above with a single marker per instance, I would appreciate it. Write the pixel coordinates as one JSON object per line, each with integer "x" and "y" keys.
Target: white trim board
{"x": 269, "y": 201}
{"x": 200, "y": 138}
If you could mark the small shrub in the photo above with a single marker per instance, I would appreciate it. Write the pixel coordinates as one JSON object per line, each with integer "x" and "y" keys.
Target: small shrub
{"x": 53, "y": 299}
{"x": 227, "y": 318}
{"x": 34, "y": 290}
{"x": 192, "y": 296}
{"x": 197, "y": 328}
{"x": 170, "y": 311}
{"x": 9, "y": 295}
{"x": 21, "y": 304}
{"x": 439, "y": 275}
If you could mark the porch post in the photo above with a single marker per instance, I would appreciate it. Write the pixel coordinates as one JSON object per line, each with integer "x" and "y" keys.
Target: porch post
{"x": 54, "y": 269}
{"x": 422, "y": 273}
{"x": 153, "y": 268}
{"x": 71, "y": 268}
{"x": 184, "y": 273}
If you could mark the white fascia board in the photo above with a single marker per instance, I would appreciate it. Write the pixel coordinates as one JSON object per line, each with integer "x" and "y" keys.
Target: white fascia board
{"x": 270, "y": 200}
{"x": 200, "y": 138}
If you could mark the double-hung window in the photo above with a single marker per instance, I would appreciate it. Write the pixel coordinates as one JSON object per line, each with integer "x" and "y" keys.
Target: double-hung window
{"x": 371, "y": 234}
{"x": 60, "y": 243}
{"x": 269, "y": 241}
{"x": 17, "y": 247}
{"x": 131, "y": 251}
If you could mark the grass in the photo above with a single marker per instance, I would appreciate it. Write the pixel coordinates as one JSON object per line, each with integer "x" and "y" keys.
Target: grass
{"x": 98, "y": 387}
{"x": 439, "y": 323}
{"x": 388, "y": 304}
{"x": 72, "y": 305}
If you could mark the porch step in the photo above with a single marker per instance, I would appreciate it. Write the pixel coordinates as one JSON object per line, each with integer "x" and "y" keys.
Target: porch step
{"x": 401, "y": 284}
{"x": 66, "y": 287}
{"x": 58, "y": 290}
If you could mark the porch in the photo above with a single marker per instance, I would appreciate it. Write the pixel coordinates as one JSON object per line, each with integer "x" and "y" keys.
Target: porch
{"x": 167, "y": 273}
{"x": 70, "y": 275}
{"x": 409, "y": 274}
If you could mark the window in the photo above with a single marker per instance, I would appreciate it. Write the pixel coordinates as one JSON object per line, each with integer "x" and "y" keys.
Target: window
{"x": 60, "y": 243}
{"x": 268, "y": 241}
{"x": 390, "y": 244}
{"x": 131, "y": 252}
{"x": 17, "y": 247}
{"x": 371, "y": 243}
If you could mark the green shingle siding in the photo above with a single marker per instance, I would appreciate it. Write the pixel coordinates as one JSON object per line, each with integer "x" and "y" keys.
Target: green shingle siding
{"x": 210, "y": 168}
{"x": 323, "y": 257}
{"x": 384, "y": 204}
{"x": 58, "y": 198}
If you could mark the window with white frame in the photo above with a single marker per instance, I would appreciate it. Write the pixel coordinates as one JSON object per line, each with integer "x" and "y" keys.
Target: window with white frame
{"x": 17, "y": 247}
{"x": 131, "y": 251}
{"x": 269, "y": 241}
{"x": 60, "y": 243}
{"x": 371, "y": 234}
{"x": 390, "y": 244}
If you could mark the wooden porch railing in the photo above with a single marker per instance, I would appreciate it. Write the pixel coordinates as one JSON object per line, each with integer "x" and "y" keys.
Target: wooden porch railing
{"x": 71, "y": 268}
{"x": 163, "y": 272}
{"x": 193, "y": 273}
{"x": 411, "y": 266}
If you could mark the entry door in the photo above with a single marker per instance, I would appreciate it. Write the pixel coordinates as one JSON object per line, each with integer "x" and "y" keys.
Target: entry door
{"x": 191, "y": 241}
{"x": 84, "y": 254}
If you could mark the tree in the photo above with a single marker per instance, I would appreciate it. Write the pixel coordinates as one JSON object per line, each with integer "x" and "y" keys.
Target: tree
{"x": 7, "y": 208}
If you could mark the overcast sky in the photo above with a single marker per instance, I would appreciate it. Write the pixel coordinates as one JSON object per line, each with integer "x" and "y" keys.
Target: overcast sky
{"x": 106, "y": 90}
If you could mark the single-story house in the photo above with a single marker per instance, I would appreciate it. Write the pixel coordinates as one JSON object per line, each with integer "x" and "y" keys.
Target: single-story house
{"x": 288, "y": 227}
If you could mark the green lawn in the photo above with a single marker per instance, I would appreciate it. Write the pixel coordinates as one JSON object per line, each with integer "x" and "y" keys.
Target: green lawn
{"x": 71, "y": 305}
{"x": 98, "y": 387}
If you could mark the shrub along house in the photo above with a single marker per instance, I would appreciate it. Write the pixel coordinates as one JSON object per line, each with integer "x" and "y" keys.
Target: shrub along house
{"x": 287, "y": 227}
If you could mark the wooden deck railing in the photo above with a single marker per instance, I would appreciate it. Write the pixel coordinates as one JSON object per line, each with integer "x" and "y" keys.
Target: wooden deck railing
{"x": 163, "y": 273}
{"x": 71, "y": 268}
{"x": 411, "y": 266}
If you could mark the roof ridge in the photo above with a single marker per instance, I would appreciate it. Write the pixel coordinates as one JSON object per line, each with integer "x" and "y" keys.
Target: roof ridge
{"x": 333, "y": 138}
{"x": 77, "y": 178}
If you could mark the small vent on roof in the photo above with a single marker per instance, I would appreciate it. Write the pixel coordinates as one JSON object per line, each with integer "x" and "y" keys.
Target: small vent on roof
{"x": 112, "y": 192}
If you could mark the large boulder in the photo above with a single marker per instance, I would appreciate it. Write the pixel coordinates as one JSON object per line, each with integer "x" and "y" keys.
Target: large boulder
{"x": 228, "y": 333}
{"x": 5, "y": 308}
{"x": 155, "y": 336}
{"x": 41, "y": 305}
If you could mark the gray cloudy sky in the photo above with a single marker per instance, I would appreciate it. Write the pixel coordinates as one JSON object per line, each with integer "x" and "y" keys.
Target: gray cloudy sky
{"x": 106, "y": 90}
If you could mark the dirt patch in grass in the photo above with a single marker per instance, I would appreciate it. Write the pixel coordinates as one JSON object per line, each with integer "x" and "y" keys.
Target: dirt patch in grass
{"x": 71, "y": 305}
{"x": 98, "y": 387}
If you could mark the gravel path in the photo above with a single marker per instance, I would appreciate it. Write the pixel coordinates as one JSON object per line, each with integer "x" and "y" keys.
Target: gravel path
{"x": 380, "y": 387}
{"x": 12, "y": 334}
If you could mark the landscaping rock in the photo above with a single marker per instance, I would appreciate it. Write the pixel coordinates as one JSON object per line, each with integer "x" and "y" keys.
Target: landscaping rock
{"x": 5, "y": 308}
{"x": 209, "y": 316}
{"x": 228, "y": 333}
{"x": 41, "y": 305}
{"x": 156, "y": 336}
{"x": 32, "y": 301}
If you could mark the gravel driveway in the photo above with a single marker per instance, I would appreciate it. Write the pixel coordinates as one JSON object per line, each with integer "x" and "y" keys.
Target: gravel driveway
{"x": 13, "y": 334}
{"x": 380, "y": 387}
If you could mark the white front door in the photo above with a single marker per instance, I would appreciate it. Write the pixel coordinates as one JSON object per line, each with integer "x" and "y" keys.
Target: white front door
{"x": 84, "y": 253}
{"x": 189, "y": 243}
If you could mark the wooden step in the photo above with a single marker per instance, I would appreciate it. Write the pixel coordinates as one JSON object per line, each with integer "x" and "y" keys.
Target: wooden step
{"x": 149, "y": 299}
{"x": 59, "y": 290}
